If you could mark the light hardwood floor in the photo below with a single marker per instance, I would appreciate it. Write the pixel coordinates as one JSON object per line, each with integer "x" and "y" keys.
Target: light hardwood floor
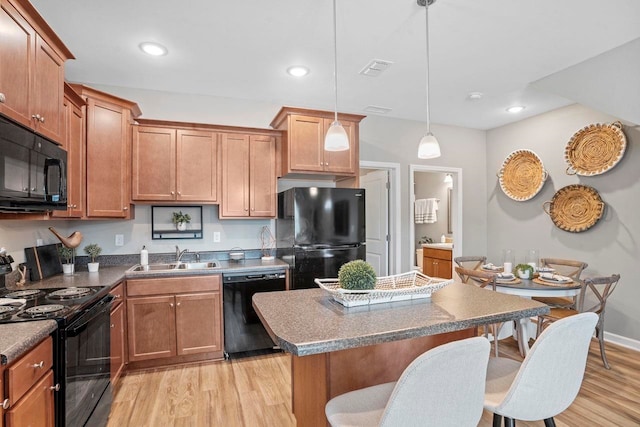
{"x": 256, "y": 392}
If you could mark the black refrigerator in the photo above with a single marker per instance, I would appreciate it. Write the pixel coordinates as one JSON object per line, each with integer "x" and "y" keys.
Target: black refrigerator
{"x": 318, "y": 230}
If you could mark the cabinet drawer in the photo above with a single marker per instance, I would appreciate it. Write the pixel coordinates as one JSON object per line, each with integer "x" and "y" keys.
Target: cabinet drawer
{"x": 118, "y": 294}
{"x": 437, "y": 253}
{"x": 24, "y": 373}
{"x": 173, "y": 285}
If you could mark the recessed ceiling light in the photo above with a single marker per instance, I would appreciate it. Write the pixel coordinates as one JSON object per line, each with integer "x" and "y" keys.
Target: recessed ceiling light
{"x": 153, "y": 49}
{"x": 515, "y": 109}
{"x": 298, "y": 71}
{"x": 475, "y": 96}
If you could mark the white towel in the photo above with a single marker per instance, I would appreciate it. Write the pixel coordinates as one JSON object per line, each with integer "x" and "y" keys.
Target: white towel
{"x": 420, "y": 211}
{"x": 431, "y": 211}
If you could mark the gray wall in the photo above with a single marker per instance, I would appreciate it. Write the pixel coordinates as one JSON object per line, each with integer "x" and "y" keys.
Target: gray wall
{"x": 611, "y": 246}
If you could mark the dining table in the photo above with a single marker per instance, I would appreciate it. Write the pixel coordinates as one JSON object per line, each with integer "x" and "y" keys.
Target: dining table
{"x": 530, "y": 288}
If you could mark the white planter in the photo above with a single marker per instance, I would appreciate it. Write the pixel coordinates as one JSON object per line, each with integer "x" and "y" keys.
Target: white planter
{"x": 524, "y": 274}
{"x": 181, "y": 226}
{"x": 93, "y": 267}
{"x": 68, "y": 268}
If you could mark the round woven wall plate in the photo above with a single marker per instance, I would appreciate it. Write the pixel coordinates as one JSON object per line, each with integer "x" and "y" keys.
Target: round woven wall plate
{"x": 595, "y": 149}
{"x": 575, "y": 208}
{"x": 522, "y": 175}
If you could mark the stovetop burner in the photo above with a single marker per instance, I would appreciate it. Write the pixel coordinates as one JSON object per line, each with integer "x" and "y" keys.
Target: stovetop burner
{"x": 69, "y": 293}
{"x": 27, "y": 294}
{"x": 42, "y": 311}
{"x": 7, "y": 311}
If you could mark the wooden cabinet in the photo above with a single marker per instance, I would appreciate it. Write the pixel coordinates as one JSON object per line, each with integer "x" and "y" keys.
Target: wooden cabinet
{"x": 437, "y": 263}
{"x": 174, "y": 318}
{"x": 73, "y": 142}
{"x": 303, "y": 149}
{"x": 32, "y": 86}
{"x": 108, "y": 155}
{"x": 29, "y": 387}
{"x": 248, "y": 176}
{"x": 174, "y": 165}
{"x": 117, "y": 333}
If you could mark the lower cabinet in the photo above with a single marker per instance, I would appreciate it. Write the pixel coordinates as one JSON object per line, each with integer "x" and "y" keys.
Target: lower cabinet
{"x": 174, "y": 319}
{"x": 437, "y": 263}
{"x": 29, "y": 389}
{"x": 117, "y": 333}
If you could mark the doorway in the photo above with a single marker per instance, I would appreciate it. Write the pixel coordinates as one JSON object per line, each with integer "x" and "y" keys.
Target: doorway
{"x": 382, "y": 185}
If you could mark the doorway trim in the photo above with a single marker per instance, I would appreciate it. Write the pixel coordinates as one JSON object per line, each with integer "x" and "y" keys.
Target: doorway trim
{"x": 395, "y": 244}
{"x": 456, "y": 174}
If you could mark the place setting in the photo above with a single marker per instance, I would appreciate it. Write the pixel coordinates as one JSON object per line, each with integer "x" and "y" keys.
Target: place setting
{"x": 551, "y": 279}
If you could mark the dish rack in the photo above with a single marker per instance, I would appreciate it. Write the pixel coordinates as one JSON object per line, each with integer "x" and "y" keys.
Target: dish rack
{"x": 399, "y": 287}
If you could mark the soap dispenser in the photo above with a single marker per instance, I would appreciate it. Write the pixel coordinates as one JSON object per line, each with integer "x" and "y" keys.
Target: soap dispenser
{"x": 443, "y": 239}
{"x": 144, "y": 256}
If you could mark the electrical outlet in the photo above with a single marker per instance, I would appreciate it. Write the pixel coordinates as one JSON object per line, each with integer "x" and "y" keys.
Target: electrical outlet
{"x": 119, "y": 239}
{"x": 216, "y": 237}
{"x": 39, "y": 242}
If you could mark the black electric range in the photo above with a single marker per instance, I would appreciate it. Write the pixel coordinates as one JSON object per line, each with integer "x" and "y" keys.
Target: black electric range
{"x": 81, "y": 359}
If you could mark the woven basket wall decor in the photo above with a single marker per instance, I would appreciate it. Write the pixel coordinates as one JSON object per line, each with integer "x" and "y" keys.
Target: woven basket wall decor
{"x": 522, "y": 175}
{"x": 595, "y": 149}
{"x": 575, "y": 208}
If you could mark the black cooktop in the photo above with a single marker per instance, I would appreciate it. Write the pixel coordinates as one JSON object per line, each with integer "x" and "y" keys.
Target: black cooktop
{"x": 60, "y": 304}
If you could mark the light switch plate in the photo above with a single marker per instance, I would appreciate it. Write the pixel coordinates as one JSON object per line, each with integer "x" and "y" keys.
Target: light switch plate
{"x": 216, "y": 237}
{"x": 119, "y": 239}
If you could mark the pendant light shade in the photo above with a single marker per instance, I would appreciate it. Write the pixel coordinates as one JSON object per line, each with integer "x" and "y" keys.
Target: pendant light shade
{"x": 428, "y": 148}
{"x": 336, "y": 138}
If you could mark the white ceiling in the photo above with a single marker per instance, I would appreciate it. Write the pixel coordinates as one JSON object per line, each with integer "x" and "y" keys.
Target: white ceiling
{"x": 241, "y": 49}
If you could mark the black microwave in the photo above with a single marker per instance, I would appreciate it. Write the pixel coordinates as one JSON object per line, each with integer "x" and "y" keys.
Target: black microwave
{"x": 33, "y": 171}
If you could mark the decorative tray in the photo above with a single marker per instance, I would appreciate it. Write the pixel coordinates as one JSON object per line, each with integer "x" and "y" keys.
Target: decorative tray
{"x": 399, "y": 287}
{"x": 595, "y": 149}
{"x": 575, "y": 208}
{"x": 522, "y": 175}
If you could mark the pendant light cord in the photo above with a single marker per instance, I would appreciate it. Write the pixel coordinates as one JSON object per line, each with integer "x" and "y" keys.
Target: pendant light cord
{"x": 335, "y": 60}
{"x": 426, "y": 14}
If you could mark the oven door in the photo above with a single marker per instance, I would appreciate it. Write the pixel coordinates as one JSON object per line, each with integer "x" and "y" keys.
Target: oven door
{"x": 86, "y": 360}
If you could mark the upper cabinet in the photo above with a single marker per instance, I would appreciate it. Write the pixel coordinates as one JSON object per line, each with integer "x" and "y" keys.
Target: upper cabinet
{"x": 174, "y": 164}
{"x": 32, "y": 86}
{"x": 303, "y": 146}
{"x": 248, "y": 176}
{"x": 108, "y": 153}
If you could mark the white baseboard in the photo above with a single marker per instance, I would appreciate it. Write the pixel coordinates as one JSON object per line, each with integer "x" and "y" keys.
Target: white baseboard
{"x": 622, "y": 341}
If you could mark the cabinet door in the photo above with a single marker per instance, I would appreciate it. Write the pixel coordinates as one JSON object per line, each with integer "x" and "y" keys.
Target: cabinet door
{"x": 306, "y": 143}
{"x": 235, "y": 176}
{"x": 342, "y": 162}
{"x": 36, "y": 407}
{"x": 153, "y": 163}
{"x": 262, "y": 176}
{"x": 17, "y": 45}
{"x": 48, "y": 91}
{"x": 198, "y": 323}
{"x": 107, "y": 160}
{"x": 197, "y": 166}
{"x": 151, "y": 327}
{"x": 117, "y": 342}
{"x": 429, "y": 266}
{"x": 443, "y": 269}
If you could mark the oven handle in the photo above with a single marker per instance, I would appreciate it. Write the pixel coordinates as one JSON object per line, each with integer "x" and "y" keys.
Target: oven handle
{"x": 106, "y": 305}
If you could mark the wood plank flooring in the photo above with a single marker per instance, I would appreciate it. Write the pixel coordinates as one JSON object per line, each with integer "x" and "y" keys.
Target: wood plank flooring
{"x": 256, "y": 392}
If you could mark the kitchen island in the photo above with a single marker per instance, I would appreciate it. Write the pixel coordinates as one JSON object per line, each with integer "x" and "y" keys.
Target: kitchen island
{"x": 336, "y": 349}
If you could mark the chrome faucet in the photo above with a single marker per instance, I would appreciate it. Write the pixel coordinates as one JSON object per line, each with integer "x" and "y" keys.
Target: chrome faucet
{"x": 197, "y": 256}
{"x": 179, "y": 253}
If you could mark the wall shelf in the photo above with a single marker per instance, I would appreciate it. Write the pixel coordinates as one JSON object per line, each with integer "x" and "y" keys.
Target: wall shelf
{"x": 162, "y": 228}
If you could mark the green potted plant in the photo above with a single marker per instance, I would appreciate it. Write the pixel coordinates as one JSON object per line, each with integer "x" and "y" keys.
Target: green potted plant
{"x": 93, "y": 250}
{"x": 67, "y": 255}
{"x": 524, "y": 271}
{"x": 181, "y": 220}
{"x": 357, "y": 275}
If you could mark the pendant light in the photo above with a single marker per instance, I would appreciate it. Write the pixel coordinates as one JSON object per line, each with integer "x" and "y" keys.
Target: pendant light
{"x": 336, "y": 138}
{"x": 428, "y": 147}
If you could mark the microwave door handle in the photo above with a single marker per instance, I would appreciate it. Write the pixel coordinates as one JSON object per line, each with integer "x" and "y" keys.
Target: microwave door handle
{"x": 54, "y": 163}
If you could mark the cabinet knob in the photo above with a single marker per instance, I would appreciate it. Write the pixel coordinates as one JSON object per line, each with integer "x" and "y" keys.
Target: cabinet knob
{"x": 55, "y": 387}
{"x": 33, "y": 188}
{"x": 179, "y": 193}
{"x": 126, "y": 208}
{"x": 113, "y": 326}
{"x": 3, "y": 98}
{"x": 178, "y": 304}
{"x": 75, "y": 206}
{"x": 326, "y": 164}
{"x": 38, "y": 365}
{"x": 170, "y": 304}
{"x": 41, "y": 119}
{"x": 5, "y": 404}
{"x": 173, "y": 193}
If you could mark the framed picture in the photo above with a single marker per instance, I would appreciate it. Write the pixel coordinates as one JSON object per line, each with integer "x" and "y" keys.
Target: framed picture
{"x": 163, "y": 226}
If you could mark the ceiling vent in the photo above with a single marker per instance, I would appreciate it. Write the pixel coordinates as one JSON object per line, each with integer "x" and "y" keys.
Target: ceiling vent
{"x": 373, "y": 109}
{"x": 375, "y": 67}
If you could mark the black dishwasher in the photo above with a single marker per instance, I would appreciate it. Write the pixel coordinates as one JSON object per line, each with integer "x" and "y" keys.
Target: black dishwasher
{"x": 244, "y": 334}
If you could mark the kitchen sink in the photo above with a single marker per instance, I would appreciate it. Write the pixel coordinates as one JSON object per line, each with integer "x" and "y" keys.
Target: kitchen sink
{"x": 175, "y": 266}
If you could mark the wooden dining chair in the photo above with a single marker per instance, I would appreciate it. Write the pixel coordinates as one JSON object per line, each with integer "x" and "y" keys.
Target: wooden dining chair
{"x": 470, "y": 262}
{"x": 482, "y": 279}
{"x": 564, "y": 267}
{"x": 597, "y": 289}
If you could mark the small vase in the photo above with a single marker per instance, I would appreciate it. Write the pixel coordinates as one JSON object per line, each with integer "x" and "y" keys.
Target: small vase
{"x": 181, "y": 226}
{"x": 93, "y": 267}
{"x": 524, "y": 274}
{"x": 68, "y": 268}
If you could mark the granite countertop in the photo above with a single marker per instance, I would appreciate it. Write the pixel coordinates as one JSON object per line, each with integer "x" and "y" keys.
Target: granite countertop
{"x": 446, "y": 246}
{"x": 17, "y": 338}
{"x": 306, "y": 322}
